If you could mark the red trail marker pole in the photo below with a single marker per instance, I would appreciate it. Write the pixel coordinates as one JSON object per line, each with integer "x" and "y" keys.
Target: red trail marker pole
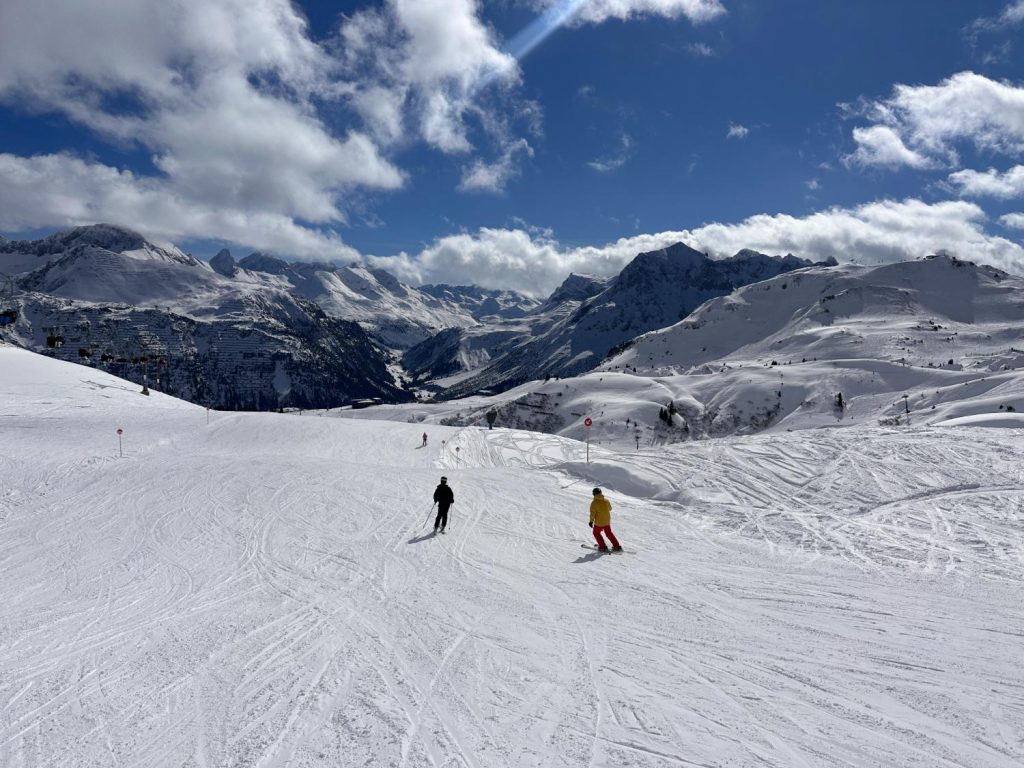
{"x": 120, "y": 450}
{"x": 588, "y": 423}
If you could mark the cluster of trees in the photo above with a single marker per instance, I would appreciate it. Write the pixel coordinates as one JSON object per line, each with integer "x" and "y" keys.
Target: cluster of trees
{"x": 666, "y": 413}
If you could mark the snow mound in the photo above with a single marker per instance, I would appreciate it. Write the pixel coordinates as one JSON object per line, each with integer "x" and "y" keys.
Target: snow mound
{"x": 1001, "y": 420}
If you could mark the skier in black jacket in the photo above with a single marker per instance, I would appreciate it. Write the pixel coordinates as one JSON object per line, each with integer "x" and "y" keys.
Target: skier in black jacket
{"x": 444, "y": 498}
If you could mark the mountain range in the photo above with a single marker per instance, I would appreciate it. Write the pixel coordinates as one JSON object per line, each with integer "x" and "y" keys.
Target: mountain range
{"x": 586, "y": 318}
{"x": 104, "y": 296}
{"x": 935, "y": 341}
{"x": 262, "y": 332}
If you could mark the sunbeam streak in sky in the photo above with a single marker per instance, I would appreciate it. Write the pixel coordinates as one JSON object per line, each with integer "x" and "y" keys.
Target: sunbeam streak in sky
{"x": 538, "y": 30}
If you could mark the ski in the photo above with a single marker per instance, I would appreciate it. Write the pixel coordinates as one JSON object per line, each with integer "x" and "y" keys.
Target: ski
{"x": 603, "y": 551}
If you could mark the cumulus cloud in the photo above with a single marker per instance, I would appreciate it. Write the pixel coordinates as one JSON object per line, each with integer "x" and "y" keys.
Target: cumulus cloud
{"x": 63, "y": 190}
{"x": 874, "y": 233}
{"x": 879, "y": 232}
{"x": 991, "y": 183}
{"x": 920, "y": 126}
{"x": 425, "y": 63}
{"x": 882, "y": 146}
{"x": 241, "y": 112}
{"x": 528, "y": 261}
{"x": 1012, "y": 220}
{"x": 223, "y": 96}
{"x": 598, "y": 11}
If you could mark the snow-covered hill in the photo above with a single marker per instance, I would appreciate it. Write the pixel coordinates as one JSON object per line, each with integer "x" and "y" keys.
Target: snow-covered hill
{"x": 654, "y": 290}
{"x": 261, "y": 591}
{"x": 924, "y": 312}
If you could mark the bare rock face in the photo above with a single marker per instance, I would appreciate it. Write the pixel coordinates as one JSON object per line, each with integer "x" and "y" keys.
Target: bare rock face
{"x": 224, "y": 263}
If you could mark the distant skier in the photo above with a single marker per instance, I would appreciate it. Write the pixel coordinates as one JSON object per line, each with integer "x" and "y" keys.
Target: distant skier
{"x": 444, "y": 498}
{"x": 601, "y": 522}
{"x": 424, "y": 445}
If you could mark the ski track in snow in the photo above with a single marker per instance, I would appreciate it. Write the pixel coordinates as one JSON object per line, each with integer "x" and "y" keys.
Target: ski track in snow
{"x": 262, "y": 592}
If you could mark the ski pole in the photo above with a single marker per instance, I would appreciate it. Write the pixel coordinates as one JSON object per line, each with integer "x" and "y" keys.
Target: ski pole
{"x": 428, "y": 514}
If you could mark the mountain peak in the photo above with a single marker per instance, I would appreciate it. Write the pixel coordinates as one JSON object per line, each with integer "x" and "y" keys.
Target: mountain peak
{"x": 261, "y": 262}
{"x": 109, "y": 237}
{"x": 576, "y": 288}
{"x": 224, "y": 263}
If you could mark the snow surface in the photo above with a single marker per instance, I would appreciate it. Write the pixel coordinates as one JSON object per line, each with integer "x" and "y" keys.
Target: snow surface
{"x": 260, "y": 591}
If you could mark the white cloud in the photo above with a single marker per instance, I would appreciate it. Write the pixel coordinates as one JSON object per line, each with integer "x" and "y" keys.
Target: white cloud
{"x": 482, "y": 176}
{"x": 813, "y": 184}
{"x": 980, "y": 32}
{"x": 615, "y": 160}
{"x": 1011, "y": 15}
{"x": 737, "y": 131}
{"x": 431, "y": 60}
{"x": 62, "y": 190}
{"x": 700, "y": 50}
{"x": 882, "y": 146}
{"x": 920, "y": 126}
{"x": 432, "y": 70}
{"x": 879, "y": 232}
{"x": 528, "y": 261}
{"x": 598, "y": 11}
{"x": 1012, "y": 220}
{"x": 230, "y": 99}
{"x": 990, "y": 183}
{"x": 222, "y": 94}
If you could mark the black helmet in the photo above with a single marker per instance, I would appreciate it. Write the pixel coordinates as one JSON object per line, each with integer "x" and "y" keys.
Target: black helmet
{"x": 597, "y": 491}
{"x": 444, "y": 479}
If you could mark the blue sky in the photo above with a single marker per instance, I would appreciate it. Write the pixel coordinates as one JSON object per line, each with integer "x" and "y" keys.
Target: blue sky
{"x": 406, "y": 133}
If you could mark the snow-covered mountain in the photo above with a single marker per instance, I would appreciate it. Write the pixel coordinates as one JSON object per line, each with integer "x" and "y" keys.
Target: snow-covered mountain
{"x": 20, "y": 256}
{"x": 400, "y": 315}
{"x": 922, "y": 313}
{"x": 107, "y": 263}
{"x": 104, "y": 296}
{"x": 482, "y": 303}
{"x": 933, "y": 341}
{"x": 458, "y": 354}
{"x": 654, "y": 290}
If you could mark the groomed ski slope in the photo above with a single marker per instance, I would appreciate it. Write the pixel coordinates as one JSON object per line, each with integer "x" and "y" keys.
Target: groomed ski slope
{"x": 260, "y": 592}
